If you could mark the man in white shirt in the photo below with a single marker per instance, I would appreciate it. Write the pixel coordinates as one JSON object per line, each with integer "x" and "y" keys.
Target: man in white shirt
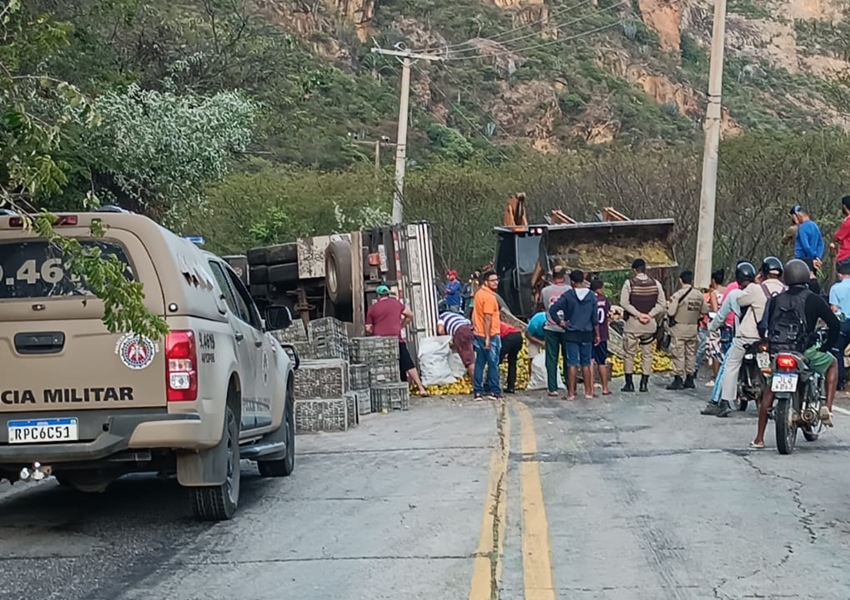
{"x": 752, "y": 300}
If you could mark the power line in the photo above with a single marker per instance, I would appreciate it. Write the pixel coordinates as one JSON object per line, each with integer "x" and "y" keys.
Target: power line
{"x": 471, "y": 96}
{"x": 561, "y": 40}
{"x": 496, "y": 38}
{"x": 472, "y": 125}
{"x": 537, "y": 33}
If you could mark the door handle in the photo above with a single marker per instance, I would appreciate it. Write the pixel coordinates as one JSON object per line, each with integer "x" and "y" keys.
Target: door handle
{"x": 239, "y": 336}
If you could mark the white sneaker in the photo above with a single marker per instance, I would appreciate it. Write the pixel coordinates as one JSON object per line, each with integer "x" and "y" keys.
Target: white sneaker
{"x": 710, "y": 384}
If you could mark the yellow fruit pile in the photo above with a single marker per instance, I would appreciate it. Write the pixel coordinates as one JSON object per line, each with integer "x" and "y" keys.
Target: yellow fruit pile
{"x": 660, "y": 363}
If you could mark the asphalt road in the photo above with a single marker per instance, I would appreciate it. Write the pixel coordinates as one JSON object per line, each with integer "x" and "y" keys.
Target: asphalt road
{"x": 535, "y": 499}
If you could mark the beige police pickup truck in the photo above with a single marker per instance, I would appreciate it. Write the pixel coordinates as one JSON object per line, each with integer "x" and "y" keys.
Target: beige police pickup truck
{"x": 88, "y": 406}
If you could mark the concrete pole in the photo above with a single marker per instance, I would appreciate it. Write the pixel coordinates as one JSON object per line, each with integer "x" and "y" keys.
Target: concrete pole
{"x": 403, "y": 111}
{"x": 401, "y": 141}
{"x": 708, "y": 193}
{"x": 377, "y": 158}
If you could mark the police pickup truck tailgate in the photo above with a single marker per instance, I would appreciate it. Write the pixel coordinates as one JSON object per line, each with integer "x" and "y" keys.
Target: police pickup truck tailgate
{"x": 57, "y": 354}
{"x": 76, "y": 365}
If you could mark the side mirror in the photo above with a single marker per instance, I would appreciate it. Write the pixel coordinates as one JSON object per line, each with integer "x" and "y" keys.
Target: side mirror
{"x": 278, "y": 317}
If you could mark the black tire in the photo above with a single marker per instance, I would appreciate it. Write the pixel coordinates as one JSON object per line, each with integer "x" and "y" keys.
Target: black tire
{"x": 338, "y": 272}
{"x": 256, "y": 256}
{"x": 219, "y": 502}
{"x": 259, "y": 291}
{"x": 282, "y": 254}
{"x": 259, "y": 275}
{"x": 283, "y": 467}
{"x": 283, "y": 274}
{"x": 786, "y": 428}
{"x": 743, "y": 404}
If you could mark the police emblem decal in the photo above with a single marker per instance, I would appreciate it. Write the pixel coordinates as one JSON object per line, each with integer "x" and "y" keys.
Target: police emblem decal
{"x": 135, "y": 351}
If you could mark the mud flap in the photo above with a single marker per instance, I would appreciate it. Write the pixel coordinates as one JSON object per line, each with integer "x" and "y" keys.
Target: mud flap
{"x": 204, "y": 468}
{"x": 276, "y": 437}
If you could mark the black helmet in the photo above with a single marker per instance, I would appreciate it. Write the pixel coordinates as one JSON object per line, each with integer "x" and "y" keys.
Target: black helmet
{"x": 796, "y": 272}
{"x": 745, "y": 272}
{"x": 771, "y": 266}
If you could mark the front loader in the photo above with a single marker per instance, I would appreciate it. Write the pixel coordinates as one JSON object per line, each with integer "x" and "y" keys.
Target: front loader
{"x": 525, "y": 255}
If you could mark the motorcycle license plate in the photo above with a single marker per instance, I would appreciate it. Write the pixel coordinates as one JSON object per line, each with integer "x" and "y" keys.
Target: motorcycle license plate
{"x": 763, "y": 360}
{"x": 784, "y": 382}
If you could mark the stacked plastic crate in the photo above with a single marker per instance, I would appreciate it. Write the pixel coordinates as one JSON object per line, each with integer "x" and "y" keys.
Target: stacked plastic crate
{"x": 380, "y": 355}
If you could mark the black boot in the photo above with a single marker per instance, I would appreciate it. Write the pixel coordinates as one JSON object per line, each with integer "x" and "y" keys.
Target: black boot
{"x": 676, "y": 384}
{"x": 689, "y": 383}
{"x": 724, "y": 410}
{"x": 630, "y": 384}
{"x": 644, "y": 383}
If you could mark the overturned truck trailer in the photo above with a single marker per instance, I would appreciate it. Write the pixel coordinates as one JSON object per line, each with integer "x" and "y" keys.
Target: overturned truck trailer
{"x": 526, "y": 255}
{"x": 337, "y": 275}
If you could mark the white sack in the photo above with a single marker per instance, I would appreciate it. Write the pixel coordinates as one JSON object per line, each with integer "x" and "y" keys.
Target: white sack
{"x": 435, "y": 360}
{"x": 538, "y": 374}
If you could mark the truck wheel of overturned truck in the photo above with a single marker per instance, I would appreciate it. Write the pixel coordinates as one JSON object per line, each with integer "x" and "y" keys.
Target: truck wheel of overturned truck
{"x": 218, "y": 503}
{"x": 338, "y": 272}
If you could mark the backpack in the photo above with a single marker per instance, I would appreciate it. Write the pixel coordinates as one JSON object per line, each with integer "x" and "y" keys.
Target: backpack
{"x": 787, "y": 330}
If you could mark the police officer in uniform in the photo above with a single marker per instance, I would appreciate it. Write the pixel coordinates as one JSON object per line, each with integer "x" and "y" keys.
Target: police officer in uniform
{"x": 643, "y": 302}
{"x": 686, "y": 307}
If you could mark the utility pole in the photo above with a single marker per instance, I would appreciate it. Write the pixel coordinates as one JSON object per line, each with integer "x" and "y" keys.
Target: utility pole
{"x": 378, "y": 144}
{"x": 708, "y": 193}
{"x": 403, "y": 111}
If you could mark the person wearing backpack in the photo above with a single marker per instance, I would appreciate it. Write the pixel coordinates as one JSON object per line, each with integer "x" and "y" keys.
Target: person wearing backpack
{"x": 789, "y": 324}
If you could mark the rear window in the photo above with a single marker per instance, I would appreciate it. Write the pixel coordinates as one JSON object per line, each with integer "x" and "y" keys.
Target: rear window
{"x": 35, "y": 269}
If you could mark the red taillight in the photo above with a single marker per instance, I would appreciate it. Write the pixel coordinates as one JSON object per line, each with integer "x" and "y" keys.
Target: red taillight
{"x": 66, "y": 220}
{"x": 181, "y": 371}
{"x": 786, "y": 361}
{"x": 60, "y": 221}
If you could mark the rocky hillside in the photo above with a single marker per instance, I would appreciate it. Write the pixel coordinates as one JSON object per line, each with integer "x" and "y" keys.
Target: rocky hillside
{"x": 556, "y": 74}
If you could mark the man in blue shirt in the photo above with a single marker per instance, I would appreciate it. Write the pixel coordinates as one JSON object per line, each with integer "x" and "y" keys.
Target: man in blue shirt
{"x": 536, "y": 336}
{"x": 453, "y": 293}
{"x": 808, "y": 245}
{"x": 839, "y": 301}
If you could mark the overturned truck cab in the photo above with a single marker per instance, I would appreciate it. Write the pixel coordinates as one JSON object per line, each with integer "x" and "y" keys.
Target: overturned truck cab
{"x": 525, "y": 255}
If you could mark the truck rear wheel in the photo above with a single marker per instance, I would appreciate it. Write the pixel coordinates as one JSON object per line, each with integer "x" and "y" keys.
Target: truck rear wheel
{"x": 218, "y": 503}
{"x": 338, "y": 272}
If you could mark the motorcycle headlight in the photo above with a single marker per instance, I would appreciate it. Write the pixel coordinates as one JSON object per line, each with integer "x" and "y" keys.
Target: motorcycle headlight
{"x": 748, "y": 356}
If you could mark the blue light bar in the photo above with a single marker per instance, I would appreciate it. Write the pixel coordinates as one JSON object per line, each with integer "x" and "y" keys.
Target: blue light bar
{"x": 196, "y": 239}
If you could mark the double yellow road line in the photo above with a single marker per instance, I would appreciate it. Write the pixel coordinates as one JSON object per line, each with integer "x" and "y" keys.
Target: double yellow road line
{"x": 536, "y": 550}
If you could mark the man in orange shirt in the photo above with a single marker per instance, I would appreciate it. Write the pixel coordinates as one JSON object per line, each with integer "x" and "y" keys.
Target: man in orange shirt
{"x": 486, "y": 326}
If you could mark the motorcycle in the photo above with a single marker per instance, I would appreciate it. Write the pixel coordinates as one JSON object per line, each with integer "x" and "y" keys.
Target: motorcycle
{"x": 751, "y": 376}
{"x": 799, "y": 394}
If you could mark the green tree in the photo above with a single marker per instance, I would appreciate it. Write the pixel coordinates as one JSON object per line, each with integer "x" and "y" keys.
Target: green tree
{"x": 154, "y": 150}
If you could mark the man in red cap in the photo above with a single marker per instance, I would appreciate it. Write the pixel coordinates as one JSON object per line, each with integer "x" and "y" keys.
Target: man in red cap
{"x": 454, "y": 301}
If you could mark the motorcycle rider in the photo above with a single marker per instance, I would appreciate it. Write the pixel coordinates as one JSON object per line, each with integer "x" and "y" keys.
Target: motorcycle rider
{"x": 752, "y": 301}
{"x": 745, "y": 274}
{"x": 802, "y": 305}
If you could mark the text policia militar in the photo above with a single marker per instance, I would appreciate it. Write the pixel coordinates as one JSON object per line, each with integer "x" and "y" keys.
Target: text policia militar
{"x": 61, "y": 395}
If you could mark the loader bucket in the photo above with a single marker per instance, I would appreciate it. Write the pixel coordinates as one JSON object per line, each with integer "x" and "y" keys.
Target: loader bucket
{"x": 611, "y": 246}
